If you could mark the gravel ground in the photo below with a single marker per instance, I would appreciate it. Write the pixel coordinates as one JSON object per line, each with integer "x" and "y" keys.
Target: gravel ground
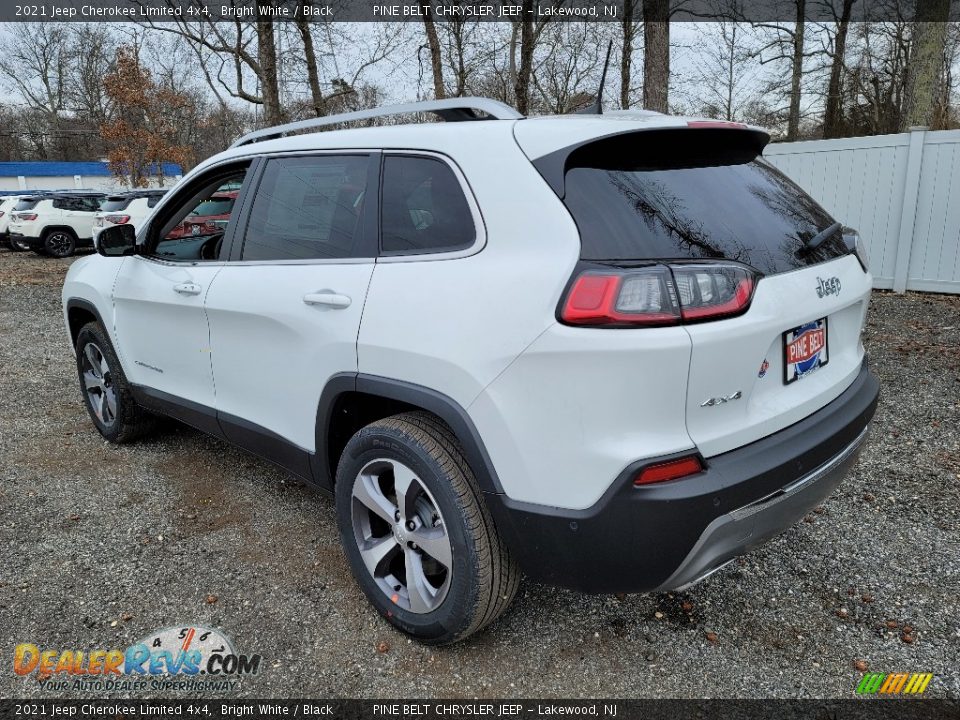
{"x": 101, "y": 544}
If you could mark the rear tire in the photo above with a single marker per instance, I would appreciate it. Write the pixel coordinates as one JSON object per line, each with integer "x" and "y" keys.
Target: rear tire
{"x": 419, "y": 539}
{"x": 106, "y": 392}
{"x": 59, "y": 243}
{"x": 17, "y": 245}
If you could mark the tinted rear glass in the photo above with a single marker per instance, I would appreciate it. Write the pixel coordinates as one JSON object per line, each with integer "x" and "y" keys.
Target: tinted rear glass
{"x": 27, "y": 204}
{"x": 214, "y": 206}
{"x": 114, "y": 204}
{"x": 745, "y": 211}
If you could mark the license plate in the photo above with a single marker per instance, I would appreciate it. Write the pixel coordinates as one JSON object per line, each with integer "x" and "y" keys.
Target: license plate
{"x": 804, "y": 350}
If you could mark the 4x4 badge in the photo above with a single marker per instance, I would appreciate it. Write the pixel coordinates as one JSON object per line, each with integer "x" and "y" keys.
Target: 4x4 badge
{"x": 722, "y": 399}
{"x": 830, "y": 286}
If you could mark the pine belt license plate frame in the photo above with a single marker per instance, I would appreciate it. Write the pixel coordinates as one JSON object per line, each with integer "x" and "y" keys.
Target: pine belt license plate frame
{"x": 806, "y": 360}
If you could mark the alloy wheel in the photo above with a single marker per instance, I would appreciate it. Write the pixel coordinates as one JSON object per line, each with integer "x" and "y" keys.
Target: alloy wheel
{"x": 401, "y": 535}
{"x": 98, "y": 384}
{"x": 59, "y": 244}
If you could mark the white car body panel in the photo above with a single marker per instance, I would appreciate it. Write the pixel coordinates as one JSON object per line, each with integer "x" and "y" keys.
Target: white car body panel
{"x": 579, "y": 405}
{"x": 272, "y": 352}
{"x": 161, "y": 333}
{"x": 727, "y": 357}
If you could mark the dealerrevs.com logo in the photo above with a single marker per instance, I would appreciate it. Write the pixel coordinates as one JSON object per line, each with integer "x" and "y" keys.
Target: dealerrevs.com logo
{"x": 175, "y": 658}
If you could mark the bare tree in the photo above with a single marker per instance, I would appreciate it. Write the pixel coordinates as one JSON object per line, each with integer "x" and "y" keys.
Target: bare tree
{"x": 656, "y": 55}
{"x": 628, "y": 30}
{"x": 926, "y": 57}
{"x": 724, "y": 70}
{"x": 433, "y": 45}
{"x": 833, "y": 111}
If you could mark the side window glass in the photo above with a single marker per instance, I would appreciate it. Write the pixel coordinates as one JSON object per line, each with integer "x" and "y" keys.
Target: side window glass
{"x": 195, "y": 230}
{"x": 308, "y": 208}
{"x": 424, "y": 209}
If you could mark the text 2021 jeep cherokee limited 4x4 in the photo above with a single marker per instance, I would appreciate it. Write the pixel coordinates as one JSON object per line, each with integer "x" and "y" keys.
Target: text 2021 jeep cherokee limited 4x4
{"x": 611, "y": 352}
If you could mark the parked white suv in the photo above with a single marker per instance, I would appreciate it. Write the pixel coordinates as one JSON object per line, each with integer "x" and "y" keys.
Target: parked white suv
{"x": 7, "y": 204}
{"x": 611, "y": 352}
{"x": 125, "y": 208}
{"x": 55, "y": 223}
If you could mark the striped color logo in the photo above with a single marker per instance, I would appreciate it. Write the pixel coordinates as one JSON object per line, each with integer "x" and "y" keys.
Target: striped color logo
{"x": 894, "y": 683}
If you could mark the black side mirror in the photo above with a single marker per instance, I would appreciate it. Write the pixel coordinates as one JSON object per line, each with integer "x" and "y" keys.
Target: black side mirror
{"x": 117, "y": 241}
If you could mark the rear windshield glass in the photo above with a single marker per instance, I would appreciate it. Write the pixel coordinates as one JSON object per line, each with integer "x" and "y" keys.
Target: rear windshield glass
{"x": 746, "y": 211}
{"x": 214, "y": 206}
{"x": 27, "y": 204}
{"x": 114, "y": 204}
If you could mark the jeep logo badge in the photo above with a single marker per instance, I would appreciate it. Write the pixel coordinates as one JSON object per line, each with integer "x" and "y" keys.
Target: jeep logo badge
{"x": 831, "y": 286}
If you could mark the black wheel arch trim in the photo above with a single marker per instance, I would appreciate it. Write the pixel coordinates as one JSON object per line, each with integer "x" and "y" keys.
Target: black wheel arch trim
{"x": 444, "y": 407}
{"x": 81, "y": 304}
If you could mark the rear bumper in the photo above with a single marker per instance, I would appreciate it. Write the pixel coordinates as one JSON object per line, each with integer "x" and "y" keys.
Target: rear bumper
{"x": 35, "y": 243}
{"x": 667, "y": 536}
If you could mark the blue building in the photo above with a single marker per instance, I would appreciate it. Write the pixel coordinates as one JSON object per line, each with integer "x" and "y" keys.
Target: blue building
{"x": 53, "y": 175}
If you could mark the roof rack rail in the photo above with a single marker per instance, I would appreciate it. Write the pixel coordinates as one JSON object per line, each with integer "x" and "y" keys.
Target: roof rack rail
{"x": 451, "y": 110}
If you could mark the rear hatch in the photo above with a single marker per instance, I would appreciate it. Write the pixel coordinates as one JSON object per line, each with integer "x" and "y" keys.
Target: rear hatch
{"x": 699, "y": 208}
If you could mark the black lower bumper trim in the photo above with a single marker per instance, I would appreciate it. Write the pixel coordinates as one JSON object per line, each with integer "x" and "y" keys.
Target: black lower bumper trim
{"x": 665, "y": 536}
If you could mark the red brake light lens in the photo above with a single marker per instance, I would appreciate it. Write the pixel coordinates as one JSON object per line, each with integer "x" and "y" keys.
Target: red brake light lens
{"x": 28, "y": 217}
{"x": 117, "y": 219}
{"x": 658, "y": 295}
{"x": 673, "y": 470}
{"x": 637, "y": 297}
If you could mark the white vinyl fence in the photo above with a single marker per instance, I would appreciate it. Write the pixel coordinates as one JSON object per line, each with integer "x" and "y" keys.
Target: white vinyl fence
{"x": 902, "y": 192}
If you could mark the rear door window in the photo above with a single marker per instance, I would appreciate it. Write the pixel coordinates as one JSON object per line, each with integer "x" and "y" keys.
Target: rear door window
{"x": 27, "y": 204}
{"x": 708, "y": 207}
{"x": 424, "y": 208}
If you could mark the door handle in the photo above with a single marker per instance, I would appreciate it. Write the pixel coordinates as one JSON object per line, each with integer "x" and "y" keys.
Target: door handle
{"x": 187, "y": 288}
{"x": 330, "y": 299}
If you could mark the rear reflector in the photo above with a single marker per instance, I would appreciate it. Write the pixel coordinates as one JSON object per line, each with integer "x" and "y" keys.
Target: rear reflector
{"x": 672, "y": 470}
{"x": 658, "y": 294}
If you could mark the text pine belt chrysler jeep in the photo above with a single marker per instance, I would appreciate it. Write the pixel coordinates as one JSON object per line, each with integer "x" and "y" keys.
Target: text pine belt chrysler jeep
{"x": 611, "y": 352}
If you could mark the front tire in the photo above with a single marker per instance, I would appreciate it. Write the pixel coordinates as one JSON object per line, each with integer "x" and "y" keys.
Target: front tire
{"x": 59, "y": 243}
{"x": 105, "y": 389}
{"x": 419, "y": 539}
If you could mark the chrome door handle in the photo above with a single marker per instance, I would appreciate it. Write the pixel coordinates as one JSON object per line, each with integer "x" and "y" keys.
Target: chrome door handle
{"x": 330, "y": 299}
{"x": 187, "y": 288}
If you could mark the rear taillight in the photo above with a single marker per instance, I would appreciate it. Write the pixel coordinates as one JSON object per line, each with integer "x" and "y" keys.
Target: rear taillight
{"x": 26, "y": 217}
{"x": 671, "y": 470}
{"x": 117, "y": 219}
{"x": 658, "y": 295}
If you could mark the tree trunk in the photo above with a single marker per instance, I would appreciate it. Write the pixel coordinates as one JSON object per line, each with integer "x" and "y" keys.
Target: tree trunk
{"x": 433, "y": 42}
{"x": 626, "y": 57}
{"x": 267, "y": 59}
{"x": 310, "y": 57}
{"x": 796, "y": 73}
{"x": 833, "y": 115}
{"x": 522, "y": 86}
{"x": 656, "y": 55}
{"x": 923, "y": 67}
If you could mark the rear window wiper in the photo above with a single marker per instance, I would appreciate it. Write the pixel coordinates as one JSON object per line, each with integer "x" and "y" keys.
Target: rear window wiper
{"x": 818, "y": 239}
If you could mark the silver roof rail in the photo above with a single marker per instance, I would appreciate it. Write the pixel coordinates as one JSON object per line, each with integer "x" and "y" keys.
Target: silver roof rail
{"x": 451, "y": 110}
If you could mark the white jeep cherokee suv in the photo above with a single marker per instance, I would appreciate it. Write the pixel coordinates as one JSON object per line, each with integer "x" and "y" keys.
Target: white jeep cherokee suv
{"x": 55, "y": 223}
{"x": 611, "y": 352}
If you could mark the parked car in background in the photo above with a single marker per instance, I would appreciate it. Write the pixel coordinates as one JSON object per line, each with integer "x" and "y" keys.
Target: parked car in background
{"x": 209, "y": 217}
{"x": 55, "y": 224}
{"x": 126, "y": 208}
{"x": 7, "y": 205}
